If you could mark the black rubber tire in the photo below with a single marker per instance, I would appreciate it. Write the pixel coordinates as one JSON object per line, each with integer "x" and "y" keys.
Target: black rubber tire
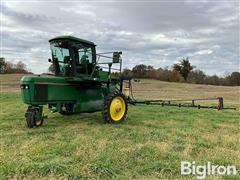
{"x": 31, "y": 118}
{"x": 106, "y": 108}
{"x": 69, "y": 109}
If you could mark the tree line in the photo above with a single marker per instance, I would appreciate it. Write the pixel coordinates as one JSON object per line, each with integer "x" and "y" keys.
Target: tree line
{"x": 7, "y": 67}
{"x": 182, "y": 72}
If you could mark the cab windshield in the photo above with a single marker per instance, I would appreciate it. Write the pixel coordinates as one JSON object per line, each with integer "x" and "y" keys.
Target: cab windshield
{"x": 61, "y": 58}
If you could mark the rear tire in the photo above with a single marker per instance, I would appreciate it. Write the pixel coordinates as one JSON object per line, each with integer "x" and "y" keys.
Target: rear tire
{"x": 69, "y": 109}
{"x": 115, "y": 108}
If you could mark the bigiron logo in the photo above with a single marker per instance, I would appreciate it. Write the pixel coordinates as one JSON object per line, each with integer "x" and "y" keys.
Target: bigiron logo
{"x": 201, "y": 171}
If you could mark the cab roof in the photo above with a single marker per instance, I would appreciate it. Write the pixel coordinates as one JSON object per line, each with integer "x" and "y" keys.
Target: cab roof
{"x": 73, "y": 39}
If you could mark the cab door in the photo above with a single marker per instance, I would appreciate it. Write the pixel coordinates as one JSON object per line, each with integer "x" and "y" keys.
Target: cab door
{"x": 84, "y": 61}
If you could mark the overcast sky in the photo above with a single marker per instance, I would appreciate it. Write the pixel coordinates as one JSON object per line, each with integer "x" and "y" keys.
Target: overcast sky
{"x": 152, "y": 33}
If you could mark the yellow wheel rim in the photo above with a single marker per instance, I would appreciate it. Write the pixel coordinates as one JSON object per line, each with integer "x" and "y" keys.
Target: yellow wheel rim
{"x": 38, "y": 122}
{"x": 117, "y": 108}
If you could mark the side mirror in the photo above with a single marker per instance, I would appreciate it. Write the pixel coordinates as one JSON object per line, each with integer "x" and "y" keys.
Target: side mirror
{"x": 116, "y": 57}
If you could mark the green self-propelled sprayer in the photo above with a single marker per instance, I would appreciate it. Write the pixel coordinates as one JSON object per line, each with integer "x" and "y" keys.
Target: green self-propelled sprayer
{"x": 81, "y": 83}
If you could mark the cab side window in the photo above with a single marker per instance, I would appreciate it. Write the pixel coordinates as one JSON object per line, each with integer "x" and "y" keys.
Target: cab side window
{"x": 84, "y": 61}
{"x": 85, "y": 55}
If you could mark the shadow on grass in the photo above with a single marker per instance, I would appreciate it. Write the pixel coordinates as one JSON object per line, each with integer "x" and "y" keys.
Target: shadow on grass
{"x": 79, "y": 118}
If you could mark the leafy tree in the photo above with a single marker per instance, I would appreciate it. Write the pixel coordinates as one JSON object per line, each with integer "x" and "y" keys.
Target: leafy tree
{"x": 235, "y": 79}
{"x": 213, "y": 80}
{"x": 197, "y": 76}
{"x": 127, "y": 73}
{"x": 149, "y": 68}
{"x": 139, "y": 71}
{"x": 174, "y": 76}
{"x": 184, "y": 67}
{"x": 2, "y": 65}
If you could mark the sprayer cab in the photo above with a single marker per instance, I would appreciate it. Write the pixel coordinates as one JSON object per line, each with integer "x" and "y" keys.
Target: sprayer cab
{"x": 72, "y": 57}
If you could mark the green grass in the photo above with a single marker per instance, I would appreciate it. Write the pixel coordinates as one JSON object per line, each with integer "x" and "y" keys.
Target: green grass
{"x": 150, "y": 144}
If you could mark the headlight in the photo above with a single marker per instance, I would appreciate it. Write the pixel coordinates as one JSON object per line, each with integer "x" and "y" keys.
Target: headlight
{"x": 24, "y": 86}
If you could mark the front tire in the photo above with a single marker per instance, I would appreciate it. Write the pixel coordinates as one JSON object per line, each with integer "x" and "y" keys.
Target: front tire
{"x": 115, "y": 108}
{"x": 33, "y": 117}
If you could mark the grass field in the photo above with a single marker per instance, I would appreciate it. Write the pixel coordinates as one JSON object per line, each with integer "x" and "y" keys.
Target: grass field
{"x": 150, "y": 144}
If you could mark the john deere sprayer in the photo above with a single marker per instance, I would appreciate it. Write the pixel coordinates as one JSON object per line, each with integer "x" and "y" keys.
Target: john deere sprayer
{"x": 81, "y": 83}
